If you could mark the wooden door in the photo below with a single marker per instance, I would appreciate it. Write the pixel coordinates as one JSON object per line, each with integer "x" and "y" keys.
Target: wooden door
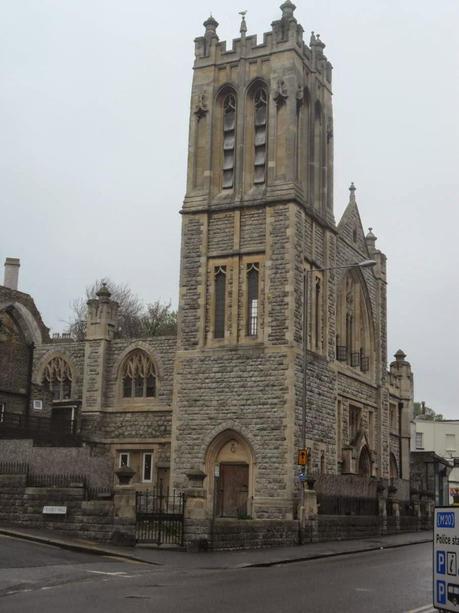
{"x": 234, "y": 487}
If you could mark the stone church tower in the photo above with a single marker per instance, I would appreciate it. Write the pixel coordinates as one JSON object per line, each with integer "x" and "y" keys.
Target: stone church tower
{"x": 258, "y": 211}
{"x": 273, "y": 352}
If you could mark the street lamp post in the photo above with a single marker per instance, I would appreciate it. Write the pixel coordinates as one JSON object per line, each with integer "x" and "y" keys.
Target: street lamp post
{"x": 307, "y": 293}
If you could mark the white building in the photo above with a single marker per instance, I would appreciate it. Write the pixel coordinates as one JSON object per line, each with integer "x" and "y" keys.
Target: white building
{"x": 441, "y": 437}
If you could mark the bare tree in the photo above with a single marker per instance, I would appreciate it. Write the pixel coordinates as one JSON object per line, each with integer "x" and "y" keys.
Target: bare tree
{"x": 134, "y": 319}
{"x": 159, "y": 320}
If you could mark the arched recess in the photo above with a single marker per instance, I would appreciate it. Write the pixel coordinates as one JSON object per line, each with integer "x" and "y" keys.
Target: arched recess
{"x": 25, "y": 321}
{"x": 394, "y": 471}
{"x": 365, "y": 462}
{"x": 49, "y": 356}
{"x": 303, "y": 111}
{"x": 230, "y": 466}
{"x": 224, "y": 145}
{"x": 317, "y": 155}
{"x": 256, "y": 126}
{"x": 355, "y": 336}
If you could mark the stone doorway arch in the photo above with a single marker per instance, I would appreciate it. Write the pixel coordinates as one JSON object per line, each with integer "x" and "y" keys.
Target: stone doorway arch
{"x": 230, "y": 469}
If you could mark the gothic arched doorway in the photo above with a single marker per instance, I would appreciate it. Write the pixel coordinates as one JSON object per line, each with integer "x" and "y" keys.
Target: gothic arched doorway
{"x": 229, "y": 464}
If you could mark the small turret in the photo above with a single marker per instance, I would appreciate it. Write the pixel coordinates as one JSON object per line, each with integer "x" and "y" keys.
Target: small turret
{"x": 102, "y": 315}
{"x": 211, "y": 25}
{"x": 288, "y": 8}
{"x": 370, "y": 240}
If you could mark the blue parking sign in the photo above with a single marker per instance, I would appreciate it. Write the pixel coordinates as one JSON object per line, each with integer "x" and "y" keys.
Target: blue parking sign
{"x": 441, "y": 592}
{"x": 441, "y": 562}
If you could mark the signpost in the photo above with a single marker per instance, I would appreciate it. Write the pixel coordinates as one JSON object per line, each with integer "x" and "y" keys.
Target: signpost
{"x": 446, "y": 559}
{"x": 53, "y": 510}
{"x": 302, "y": 457}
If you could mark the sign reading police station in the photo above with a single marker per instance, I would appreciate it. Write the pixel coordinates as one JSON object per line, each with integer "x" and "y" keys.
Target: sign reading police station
{"x": 446, "y": 559}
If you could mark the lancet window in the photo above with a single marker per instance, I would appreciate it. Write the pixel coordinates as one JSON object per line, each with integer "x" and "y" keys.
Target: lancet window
{"x": 57, "y": 378}
{"x": 354, "y": 339}
{"x": 139, "y": 375}
{"x": 229, "y": 139}
{"x": 261, "y": 120}
{"x": 252, "y": 299}
{"x": 220, "y": 301}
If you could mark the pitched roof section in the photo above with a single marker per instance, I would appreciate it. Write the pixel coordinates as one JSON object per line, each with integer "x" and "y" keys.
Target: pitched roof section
{"x": 350, "y": 226}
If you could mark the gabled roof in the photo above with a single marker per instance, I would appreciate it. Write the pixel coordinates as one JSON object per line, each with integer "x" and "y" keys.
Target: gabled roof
{"x": 350, "y": 226}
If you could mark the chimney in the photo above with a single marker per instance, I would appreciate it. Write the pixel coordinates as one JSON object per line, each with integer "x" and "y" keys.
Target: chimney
{"x": 11, "y": 273}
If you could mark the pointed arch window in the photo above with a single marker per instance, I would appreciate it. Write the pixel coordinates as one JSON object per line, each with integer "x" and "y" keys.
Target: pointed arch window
{"x": 252, "y": 299}
{"x": 261, "y": 120}
{"x": 317, "y": 313}
{"x": 139, "y": 376}
{"x": 220, "y": 301}
{"x": 57, "y": 378}
{"x": 229, "y": 138}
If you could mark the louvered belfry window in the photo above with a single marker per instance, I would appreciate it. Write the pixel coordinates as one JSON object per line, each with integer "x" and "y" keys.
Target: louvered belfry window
{"x": 229, "y": 138}
{"x": 261, "y": 118}
{"x": 220, "y": 291}
{"x": 139, "y": 376}
{"x": 252, "y": 299}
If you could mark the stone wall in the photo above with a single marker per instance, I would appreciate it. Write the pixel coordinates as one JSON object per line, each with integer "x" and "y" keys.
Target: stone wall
{"x": 23, "y": 506}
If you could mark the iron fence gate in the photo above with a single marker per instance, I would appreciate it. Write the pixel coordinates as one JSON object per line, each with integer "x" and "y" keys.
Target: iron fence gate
{"x": 160, "y": 517}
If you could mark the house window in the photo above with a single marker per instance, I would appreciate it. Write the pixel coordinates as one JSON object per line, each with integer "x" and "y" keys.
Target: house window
{"x": 450, "y": 443}
{"x": 354, "y": 422}
{"x": 147, "y": 467}
{"x": 124, "y": 459}
{"x": 139, "y": 376}
{"x": 261, "y": 118}
{"x": 229, "y": 132}
{"x": 252, "y": 299}
{"x": 419, "y": 440}
{"x": 220, "y": 299}
{"x": 57, "y": 378}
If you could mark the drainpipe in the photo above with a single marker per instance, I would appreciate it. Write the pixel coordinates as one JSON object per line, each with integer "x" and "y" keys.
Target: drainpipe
{"x": 29, "y": 385}
{"x": 400, "y": 462}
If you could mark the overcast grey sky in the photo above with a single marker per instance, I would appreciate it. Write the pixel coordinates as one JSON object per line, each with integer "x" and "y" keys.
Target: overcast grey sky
{"x": 94, "y": 100}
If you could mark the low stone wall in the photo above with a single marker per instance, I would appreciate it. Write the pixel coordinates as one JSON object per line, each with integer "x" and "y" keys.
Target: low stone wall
{"x": 345, "y": 527}
{"x": 88, "y": 519}
{"x": 231, "y": 534}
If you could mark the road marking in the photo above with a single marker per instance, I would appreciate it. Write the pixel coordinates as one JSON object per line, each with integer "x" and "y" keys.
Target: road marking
{"x": 427, "y": 608}
{"x": 118, "y": 573}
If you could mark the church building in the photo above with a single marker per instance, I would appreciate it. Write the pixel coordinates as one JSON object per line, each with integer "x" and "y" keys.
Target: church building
{"x": 282, "y": 332}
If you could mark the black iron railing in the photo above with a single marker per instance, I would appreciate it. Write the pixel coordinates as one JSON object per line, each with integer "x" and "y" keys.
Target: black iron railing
{"x": 56, "y": 480}
{"x": 14, "y": 468}
{"x": 346, "y": 505}
{"x": 160, "y": 517}
{"x": 60, "y": 430}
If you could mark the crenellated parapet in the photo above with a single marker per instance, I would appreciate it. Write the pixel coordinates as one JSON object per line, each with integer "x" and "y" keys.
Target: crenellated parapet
{"x": 286, "y": 35}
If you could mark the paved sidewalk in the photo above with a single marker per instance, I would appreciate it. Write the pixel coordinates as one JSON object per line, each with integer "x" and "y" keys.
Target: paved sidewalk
{"x": 222, "y": 559}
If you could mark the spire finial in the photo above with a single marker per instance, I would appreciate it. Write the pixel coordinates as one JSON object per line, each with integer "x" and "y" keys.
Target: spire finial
{"x": 352, "y": 189}
{"x": 243, "y": 29}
